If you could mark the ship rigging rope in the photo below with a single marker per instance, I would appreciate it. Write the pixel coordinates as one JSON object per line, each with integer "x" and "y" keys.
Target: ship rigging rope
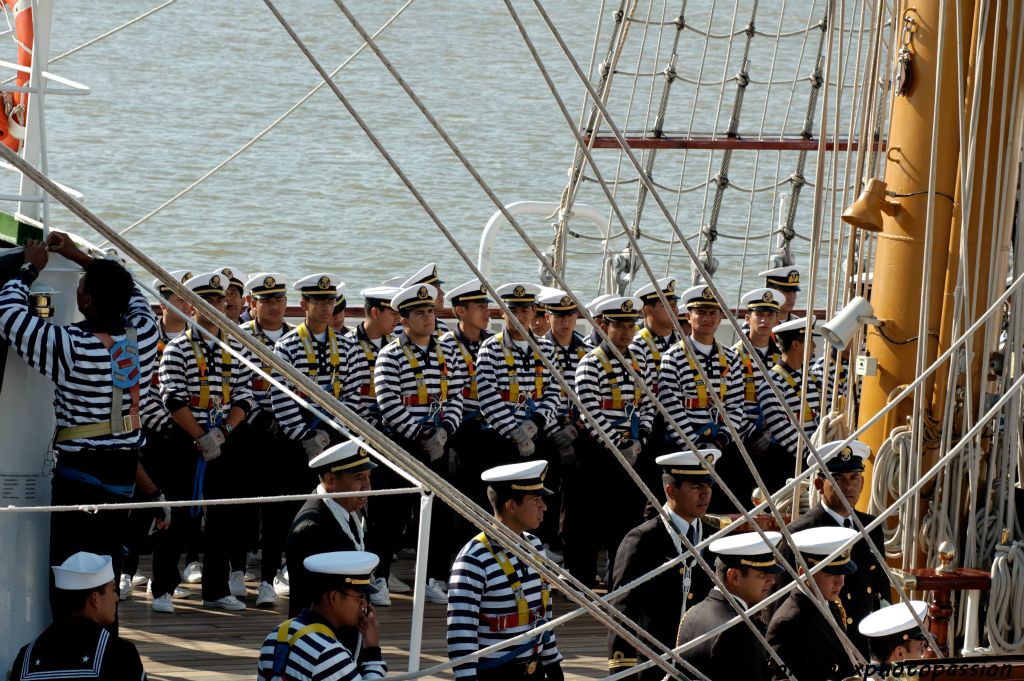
{"x": 489, "y": 192}
{"x": 889, "y": 479}
{"x": 1005, "y": 619}
{"x": 262, "y": 133}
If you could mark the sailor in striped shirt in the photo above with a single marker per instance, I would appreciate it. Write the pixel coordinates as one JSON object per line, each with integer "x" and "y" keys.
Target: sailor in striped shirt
{"x": 688, "y": 400}
{"x": 518, "y": 397}
{"x": 98, "y": 426}
{"x": 470, "y": 304}
{"x": 307, "y": 647}
{"x": 369, "y": 336}
{"x": 269, "y": 293}
{"x": 418, "y": 380}
{"x": 624, "y": 412}
{"x": 493, "y": 596}
{"x": 327, "y": 357}
{"x": 207, "y": 392}
{"x": 787, "y": 375}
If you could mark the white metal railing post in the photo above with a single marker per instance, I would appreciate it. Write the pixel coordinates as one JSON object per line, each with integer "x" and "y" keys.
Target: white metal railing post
{"x": 420, "y": 582}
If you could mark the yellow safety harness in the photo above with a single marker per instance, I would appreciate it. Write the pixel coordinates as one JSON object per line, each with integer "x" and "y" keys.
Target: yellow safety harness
{"x": 652, "y": 345}
{"x": 204, "y": 401}
{"x": 422, "y": 396}
{"x": 749, "y": 379}
{"x": 260, "y": 384}
{"x": 809, "y": 415}
{"x": 312, "y": 363}
{"x": 467, "y": 357}
{"x": 513, "y": 374}
{"x": 523, "y": 615}
{"x": 701, "y": 401}
{"x": 284, "y": 644}
{"x": 370, "y": 352}
{"x": 613, "y": 381}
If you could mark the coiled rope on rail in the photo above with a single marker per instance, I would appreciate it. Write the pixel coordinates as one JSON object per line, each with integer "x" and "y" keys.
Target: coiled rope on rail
{"x": 1005, "y": 619}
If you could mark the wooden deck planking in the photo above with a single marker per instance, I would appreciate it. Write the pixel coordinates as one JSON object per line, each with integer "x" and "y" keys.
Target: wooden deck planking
{"x": 199, "y": 643}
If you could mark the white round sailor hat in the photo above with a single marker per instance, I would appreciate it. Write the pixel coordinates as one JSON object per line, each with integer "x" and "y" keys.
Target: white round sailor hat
{"x": 207, "y": 283}
{"x": 395, "y": 282}
{"x": 413, "y": 297}
{"x": 748, "y": 549}
{"x": 426, "y": 275}
{"x": 320, "y": 285}
{"x": 83, "y": 571}
{"x": 236, "y": 276}
{"x": 558, "y": 302}
{"x": 783, "y": 278}
{"x": 592, "y": 305}
{"x": 619, "y": 308}
{"x": 817, "y": 543}
{"x": 472, "y": 291}
{"x": 266, "y": 285}
{"x": 348, "y": 457}
{"x": 649, "y": 292}
{"x": 518, "y": 293}
{"x": 700, "y": 296}
{"x": 893, "y": 625}
{"x": 763, "y": 299}
{"x": 352, "y": 569}
{"x": 523, "y": 476}
{"x": 797, "y": 326}
{"x": 180, "y": 275}
{"x": 379, "y": 296}
{"x": 689, "y": 465}
{"x": 840, "y": 458}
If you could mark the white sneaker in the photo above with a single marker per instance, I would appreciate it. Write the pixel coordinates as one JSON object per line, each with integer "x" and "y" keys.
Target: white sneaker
{"x": 382, "y": 597}
{"x": 434, "y": 593}
{"x": 267, "y": 596}
{"x": 226, "y": 603}
{"x": 139, "y": 580}
{"x": 249, "y": 577}
{"x": 193, "y": 573}
{"x": 125, "y": 587}
{"x": 281, "y": 583}
{"x": 236, "y": 584}
{"x": 181, "y": 593}
{"x": 397, "y": 586}
{"x": 163, "y": 604}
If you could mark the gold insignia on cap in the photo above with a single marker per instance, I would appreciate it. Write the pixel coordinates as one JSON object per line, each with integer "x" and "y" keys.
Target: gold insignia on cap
{"x": 846, "y": 454}
{"x": 227, "y": 272}
{"x": 794, "y": 277}
{"x": 215, "y": 281}
{"x": 185, "y": 277}
{"x": 566, "y": 301}
{"x": 627, "y": 305}
{"x": 710, "y": 458}
{"x": 768, "y": 297}
{"x": 543, "y": 473}
{"x": 269, "y": 282}
{"x": 706, "y": 294}
{"x": 671, "y": 286}
{"x": 324, "y": 283}
{"x": 423, "y": 293}
{"x": 519, "y": 291}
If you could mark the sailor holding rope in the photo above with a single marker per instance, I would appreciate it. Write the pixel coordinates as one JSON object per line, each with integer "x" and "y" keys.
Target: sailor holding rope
{"x": 493, "y": 597}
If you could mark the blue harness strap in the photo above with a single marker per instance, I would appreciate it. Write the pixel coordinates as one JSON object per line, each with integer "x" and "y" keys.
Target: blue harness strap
{"x": 80, "y": 476}
{"x": 515, "y": 652}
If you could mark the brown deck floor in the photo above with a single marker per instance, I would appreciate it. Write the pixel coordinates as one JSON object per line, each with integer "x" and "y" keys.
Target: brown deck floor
{"x": 196, "y": 643}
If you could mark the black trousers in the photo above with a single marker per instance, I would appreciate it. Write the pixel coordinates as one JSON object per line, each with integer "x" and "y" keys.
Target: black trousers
{"x": 600, "y": 505}
{"x": 388, "y": 517}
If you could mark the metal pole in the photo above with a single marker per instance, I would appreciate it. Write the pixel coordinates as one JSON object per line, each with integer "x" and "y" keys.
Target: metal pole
{"x": 420, "y": 582}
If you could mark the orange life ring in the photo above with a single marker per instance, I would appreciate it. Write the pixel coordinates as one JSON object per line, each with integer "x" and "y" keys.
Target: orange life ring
{"x": 12, "y": 118}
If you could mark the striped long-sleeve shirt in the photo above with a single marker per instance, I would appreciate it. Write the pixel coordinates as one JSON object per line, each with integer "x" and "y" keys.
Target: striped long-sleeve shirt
{"x": 154, "y": 414}
{"x": 776, "y": 421}
{"x": 318, "y": 655}
{"x": 654, "y": 347}
{"x": 507, "y": 376}
{"x": 329, "y": 361}
{"x": 362, "y": 372}
{"x": 419, "y": 388}
{"x": 78, "y": 363}
{"x": 260, "y": 385}
{"x": 753, "y": 378}
{"x": 469, "y": 351}
{"x": 568, "y": 358}
{"x": 689, "y": 401}
{"x": 205, "y": 377}
{"x": 480, "y": 594}
{"x": 612, "y": 395}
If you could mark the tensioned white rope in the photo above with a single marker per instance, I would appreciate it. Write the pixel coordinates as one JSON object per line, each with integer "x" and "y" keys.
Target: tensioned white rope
{"x": 262, "y": 133}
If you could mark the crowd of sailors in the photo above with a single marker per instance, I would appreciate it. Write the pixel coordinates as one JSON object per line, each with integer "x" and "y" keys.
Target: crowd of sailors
{"x": 152, "y": 407}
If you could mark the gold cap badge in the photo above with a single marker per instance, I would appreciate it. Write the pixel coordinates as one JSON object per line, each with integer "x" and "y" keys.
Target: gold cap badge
{"x": 519, "y": 291}
{"x": 706, "y": 294}
{"x": 566, "y": 301}
{"x": 794, "y": 277}
{"x": 768, "y": 297}
{"x": 324, "y": 283}
{"x": 627, "y": 305}
{"x": 269, "y": 282}
{"x": 215, "y": 281}
{"x": 423, "y": 293}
